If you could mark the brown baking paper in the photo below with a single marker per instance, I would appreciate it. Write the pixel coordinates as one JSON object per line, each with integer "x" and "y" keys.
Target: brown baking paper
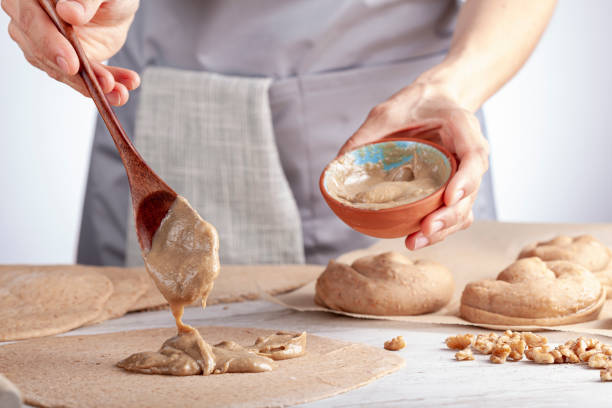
{"x": 480, "y": 252}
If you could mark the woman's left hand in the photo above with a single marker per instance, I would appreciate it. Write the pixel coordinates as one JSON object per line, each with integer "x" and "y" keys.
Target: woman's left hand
{"x": 434, "y": 114}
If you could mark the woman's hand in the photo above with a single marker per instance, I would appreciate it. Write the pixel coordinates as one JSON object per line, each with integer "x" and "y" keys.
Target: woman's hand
{"x": 434, "y": 115}
{"x": 102, "y": 27}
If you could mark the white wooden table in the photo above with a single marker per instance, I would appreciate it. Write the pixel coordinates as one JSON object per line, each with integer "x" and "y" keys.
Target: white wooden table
{"x": 431, "y": 377}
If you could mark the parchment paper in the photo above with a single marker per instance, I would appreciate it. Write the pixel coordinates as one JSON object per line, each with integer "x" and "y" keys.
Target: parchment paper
{"x": 480, "y": 252}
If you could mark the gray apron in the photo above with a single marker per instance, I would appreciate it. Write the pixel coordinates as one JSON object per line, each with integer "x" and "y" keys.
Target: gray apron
{"x": 330, "y": 62}
{"x": 210, "y": 137}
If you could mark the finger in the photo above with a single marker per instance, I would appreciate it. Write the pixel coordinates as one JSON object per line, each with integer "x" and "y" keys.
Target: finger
{"x": 74, "y": 81}
{"x": 104, "y": 76}
{"x": 127, "y": 77}
{"x": 468, "y": 177}
{"x": 9, "y": 7}
{"x": 418, "y": 240}
{"x": 440, "y": 224}
{"x": 447, "y": 216}
{"x": 119, "y": 95}
{"x": 41, "y": 38}
{"x": 77, "y": 12}
{"x": 381, "y": 120}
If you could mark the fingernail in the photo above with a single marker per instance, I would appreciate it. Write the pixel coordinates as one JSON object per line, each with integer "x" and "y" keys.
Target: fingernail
{"x": 458, "y": 196}
{"x": 62, "y": 64}
{"x": 436, "y": 226}
{"x": 420, "y": 242}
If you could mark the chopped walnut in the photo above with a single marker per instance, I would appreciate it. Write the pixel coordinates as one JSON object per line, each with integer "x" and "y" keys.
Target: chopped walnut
{"x": 606, "y": 375}
{"x": 600, "y": 360}
{"x": 395, "y": 344}
{"x": 568, "y": 354}
{"x": 557, "y": 356}
{"x": 460, "y": 341}
{"x": 586, "y": 356}
{"x": 514, "y": 345}
{"x": 580, "y": 346}
{"x": 540, "y": 355}
{"x": 500, "y": 353}
{"x": 485, "y": 342}
{"x": 517, "y": 348}
{"x": 465, "y": 354}
{"x": 593, "y": 344}
{"x": 534, "y": 340}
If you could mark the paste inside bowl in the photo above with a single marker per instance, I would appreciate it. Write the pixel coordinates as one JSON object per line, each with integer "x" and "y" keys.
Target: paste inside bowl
{"x": 386, "y": 174}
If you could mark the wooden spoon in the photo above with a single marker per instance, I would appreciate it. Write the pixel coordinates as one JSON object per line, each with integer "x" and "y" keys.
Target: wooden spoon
{"x": 151, "y": 196}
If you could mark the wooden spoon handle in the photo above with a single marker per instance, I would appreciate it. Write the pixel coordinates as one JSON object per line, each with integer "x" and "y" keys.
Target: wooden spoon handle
{"x": 123, "y": 143}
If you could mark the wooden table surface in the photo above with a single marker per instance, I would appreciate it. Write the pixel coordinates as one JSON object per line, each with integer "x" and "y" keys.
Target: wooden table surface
{"x": 431, "y": 377}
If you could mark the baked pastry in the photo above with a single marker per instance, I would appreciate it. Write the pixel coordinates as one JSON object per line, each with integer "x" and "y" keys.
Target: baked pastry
{"x": 385, "y": 284}
{"x": 533, "y": 292}
{"x": 584, "y": 250}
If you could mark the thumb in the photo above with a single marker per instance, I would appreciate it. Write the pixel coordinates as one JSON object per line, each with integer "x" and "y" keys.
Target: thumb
{"x": 78, "y": 12}
{"x": 378, "y": 124}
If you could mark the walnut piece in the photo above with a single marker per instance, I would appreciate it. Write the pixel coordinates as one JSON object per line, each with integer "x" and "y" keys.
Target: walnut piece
{"x": 606, "y": 375}
{"x": 607, "y": 350}
{"x": 500, "y": 352}
{"x": 586, "y": 356}
{"x": 540, "y": 355}
{"x": 600, "y": 360}
{"x": 517, "y": 348}
{"x": 534, "y": 340}
{"x": 395, "y": 344}
{"x": 460, "y": 341}
{"x": 557, "y": 356}
{"x": 569, "y": 356}
{"x": 485, "y": 342}
{"x": 465, "y": 354}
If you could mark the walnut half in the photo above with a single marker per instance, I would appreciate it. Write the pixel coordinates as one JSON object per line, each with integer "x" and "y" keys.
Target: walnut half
{"x": 460, "y": 341}
{"x": 465, "y": 354}
{"x": 606, "y": 375}
{"x": 395, "y": 344}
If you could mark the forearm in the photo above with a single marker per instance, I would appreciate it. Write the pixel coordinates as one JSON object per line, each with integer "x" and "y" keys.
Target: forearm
{"x": 492, "y": 41}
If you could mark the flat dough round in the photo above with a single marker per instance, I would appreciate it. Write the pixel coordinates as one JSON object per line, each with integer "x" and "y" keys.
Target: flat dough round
{"x": 584, "y": 250}
{"x": 533, "y": 292}
{"x": 385, "y": 284}
{"x": 40, "y": 301}
{"x": 128, "y": 286}
{"x": 237, "y": 283}
{"x": 80, "y": 371}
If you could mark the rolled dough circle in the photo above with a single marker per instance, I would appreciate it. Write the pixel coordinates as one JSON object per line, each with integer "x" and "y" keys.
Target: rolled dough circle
{"x": 40, "y": 301}
{"x": 80, "y": 371}
{"x": 128, "y": 287}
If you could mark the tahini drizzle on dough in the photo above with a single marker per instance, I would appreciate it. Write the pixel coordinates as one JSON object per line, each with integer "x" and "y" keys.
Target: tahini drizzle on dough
{"x": 184, "y": 262}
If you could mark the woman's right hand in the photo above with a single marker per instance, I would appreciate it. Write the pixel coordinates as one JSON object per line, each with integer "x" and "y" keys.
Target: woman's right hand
{"x": 102, "y": 27}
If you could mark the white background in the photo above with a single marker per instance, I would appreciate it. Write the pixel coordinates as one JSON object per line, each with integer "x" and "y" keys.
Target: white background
{"x": 549, "y": 130}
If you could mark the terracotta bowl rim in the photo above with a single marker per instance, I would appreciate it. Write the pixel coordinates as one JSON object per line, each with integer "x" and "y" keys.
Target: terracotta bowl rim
{"x": 441, "y": 149}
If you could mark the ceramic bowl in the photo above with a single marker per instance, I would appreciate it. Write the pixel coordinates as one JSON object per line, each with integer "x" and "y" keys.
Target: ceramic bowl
{"x": 397, "y": 221}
